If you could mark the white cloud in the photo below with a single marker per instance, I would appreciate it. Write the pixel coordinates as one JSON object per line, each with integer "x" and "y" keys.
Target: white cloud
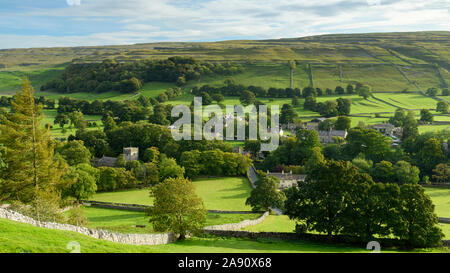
{"x": 190, "y": 20}
{"x": 73, "y": 2}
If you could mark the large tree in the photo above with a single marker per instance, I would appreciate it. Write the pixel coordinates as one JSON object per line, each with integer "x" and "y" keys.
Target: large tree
{"x": 29, "y": 150}
{"x": 288, "y": 114}
{"x": 266, "y": 194}
{"x": 177, "y": 208}
{"x": 319, "y": 202}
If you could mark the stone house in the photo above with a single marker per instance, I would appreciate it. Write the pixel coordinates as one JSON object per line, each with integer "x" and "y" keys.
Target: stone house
{"x": 287, "y": 180}
{"x": 326, "y": 137}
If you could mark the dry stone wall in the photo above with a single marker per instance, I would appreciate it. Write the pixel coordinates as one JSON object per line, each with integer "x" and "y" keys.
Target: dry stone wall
{"x": 238, "y": 226}
{"x": 133, "y": 239}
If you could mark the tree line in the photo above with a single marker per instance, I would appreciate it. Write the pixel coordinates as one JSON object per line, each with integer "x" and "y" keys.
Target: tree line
{"x": 128, "y": 77}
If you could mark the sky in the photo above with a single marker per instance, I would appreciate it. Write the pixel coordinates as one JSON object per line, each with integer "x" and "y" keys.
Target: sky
{"x": 49, "y": 23}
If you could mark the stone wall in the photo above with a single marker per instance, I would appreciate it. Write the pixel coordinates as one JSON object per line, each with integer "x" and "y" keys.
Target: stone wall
{"x": 238, "y": 226}
{"x": 143, "y": 208}
{"x": 133, "y": 239}
{"x": 252, "y": 176}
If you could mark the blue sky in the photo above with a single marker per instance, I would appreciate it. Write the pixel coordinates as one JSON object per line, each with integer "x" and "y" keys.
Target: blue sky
{"x": 47, "y": 23}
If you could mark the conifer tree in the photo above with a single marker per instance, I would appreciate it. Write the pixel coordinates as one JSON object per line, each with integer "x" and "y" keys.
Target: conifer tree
{"x": 30, "y": 166}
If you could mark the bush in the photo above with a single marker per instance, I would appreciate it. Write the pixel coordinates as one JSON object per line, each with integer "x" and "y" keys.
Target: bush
{"x": 77, "y": 217}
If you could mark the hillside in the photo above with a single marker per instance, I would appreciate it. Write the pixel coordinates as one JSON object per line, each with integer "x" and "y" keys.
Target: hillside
{"x": 406, "y": 60}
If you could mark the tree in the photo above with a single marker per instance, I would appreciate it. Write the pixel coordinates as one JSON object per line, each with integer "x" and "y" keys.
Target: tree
{"x": 310, "y": 103}
{"x": 151, "y": 155}
{"x": 319, "y": 201}
{"x": 363, "y": 164}
{"x": 339, "y": 90}
{"x": 399, "y": 118}
{"x": 373, "y": 144}
{"x": 442, "y": 107}
{"x": 190, "y": 160}
{"x": 74, "y": 152}
{"x": 159, "y": 115}
{"x": 442, "y": 173}
{"x": 218, "y": 98}
{"x": 288, "y": 114}
{"x": 30, "y": 165}
{"x": 247, "y": 97}
{"x": 328, "y": 109}
{"x": 327, "y": 125}
{"x": 433, "y": 91}
{"x": 406, "y": 173}
{"x": 410, "y": 127}
{"x": 177, "y": 208}
{"x": 151, "y": 174}
{"x": 253, "y": 146}
{"x": 121, "y": 162}
{"x": 364, "y": 91}
{"x": 168, "y": 168}
{"x": 295, "y": 101}
{"x": 383, "y": 172}
{"x": 61, "y": 120}
{"x": 350, "y": 89}
{"x": 418, "y": 222}
{"x": 144, "y": 101}
{"x": 85, "y": 179}
{"x": 77, "y": 119}
{"x": 130, "y": 85}
{"x": 266, "y": 194}
{"x": 426, "y": 116}
{"x": 181, "y": 81}
{"x": 315, "y": 160}
{"x": 343, "y": 123}
{"x": 115, "y": 178}
{"x": 430, "y": 155}
{"x": 344, "y": 106}
{"x": 109, "y": 123}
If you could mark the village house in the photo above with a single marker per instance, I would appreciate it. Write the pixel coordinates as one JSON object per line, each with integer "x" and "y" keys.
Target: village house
{"x": 388, "y": 129}
{"x": 287, "y": 180}
{"x": 327, "y": 137}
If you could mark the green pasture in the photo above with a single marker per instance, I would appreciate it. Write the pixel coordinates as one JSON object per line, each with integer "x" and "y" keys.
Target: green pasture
{"x": 441, "y": 199}
{"x": 424, "y": 77}
{"x": 123, "y": 221}
{"x": 382, "y": 78}
{"x": 227, "y": 193}
{"x": 408, "y": 100}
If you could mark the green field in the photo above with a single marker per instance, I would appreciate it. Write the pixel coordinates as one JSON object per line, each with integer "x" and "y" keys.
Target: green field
{"x": 228, "y": 193}
{"x": 23, "y": 238}
{"x": 408, "y": 100}
{"x": 123, "y": 221}
{"x": 441, "y": 199}
{"x": 273, "y": 223}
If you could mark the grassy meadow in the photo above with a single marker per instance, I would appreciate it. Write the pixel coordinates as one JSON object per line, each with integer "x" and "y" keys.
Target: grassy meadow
{"x": 123, "y": 221}
{"x": 228, "y": 193}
